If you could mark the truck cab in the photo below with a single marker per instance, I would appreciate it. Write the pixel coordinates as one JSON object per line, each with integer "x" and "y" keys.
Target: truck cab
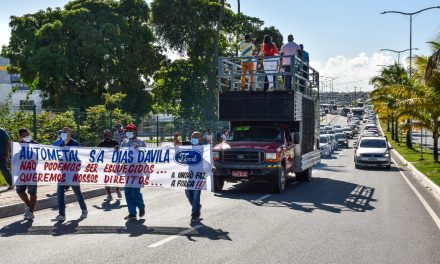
{"x": 274, "y": 135}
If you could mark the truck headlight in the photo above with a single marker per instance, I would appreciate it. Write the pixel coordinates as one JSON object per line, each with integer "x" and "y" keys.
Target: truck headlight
{"x": 358, "y": 154}
{"x": 216, "y": 155}
{"x": 386, "y": 155}
{"x": 272, "y": 157}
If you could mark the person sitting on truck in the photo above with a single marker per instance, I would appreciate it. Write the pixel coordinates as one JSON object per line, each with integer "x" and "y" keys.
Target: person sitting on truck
{"x": 288, "y": 49}
{"x": 270, "y": 65}
{"x": 246, "y": 51}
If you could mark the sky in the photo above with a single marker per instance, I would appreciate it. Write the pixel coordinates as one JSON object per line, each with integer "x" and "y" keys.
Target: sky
{"x": 343, "y": 37}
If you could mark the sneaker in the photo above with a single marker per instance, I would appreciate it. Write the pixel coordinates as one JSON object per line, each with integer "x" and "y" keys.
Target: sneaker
{"x": 141, "y": 212}
{"x": 26, "y": 209}
{"x": 28, "y": 216}
{"x": 109, "y": 197}
{"x": 118, "y": 192}
{"x": 60, "y": 218}
{"x": 83, "y": 214}
{"x": 130, "y": 216}
{"x": 194, "y": 219}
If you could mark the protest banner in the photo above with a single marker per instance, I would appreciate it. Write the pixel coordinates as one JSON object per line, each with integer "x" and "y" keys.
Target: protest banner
{"x": 185, "y": 167}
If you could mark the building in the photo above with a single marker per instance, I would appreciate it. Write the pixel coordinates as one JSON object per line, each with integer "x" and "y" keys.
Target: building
{"x": 18, "y": 94}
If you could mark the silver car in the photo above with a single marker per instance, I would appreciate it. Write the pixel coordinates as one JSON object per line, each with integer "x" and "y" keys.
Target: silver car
{"x": 372, "y": 152}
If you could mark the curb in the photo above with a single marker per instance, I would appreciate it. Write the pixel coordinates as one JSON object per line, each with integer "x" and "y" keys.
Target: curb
{"x": 420, "y": 177}
{"x": 50, "y": 202}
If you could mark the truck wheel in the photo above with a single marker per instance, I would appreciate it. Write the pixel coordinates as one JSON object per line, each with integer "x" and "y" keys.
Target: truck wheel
{"x": 304, "y": 176}
{"x": 279, "y": 181}
{"x": 219, "y": 182}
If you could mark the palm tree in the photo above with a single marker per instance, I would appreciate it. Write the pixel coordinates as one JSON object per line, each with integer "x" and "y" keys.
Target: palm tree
{"x": 386, "y": 102}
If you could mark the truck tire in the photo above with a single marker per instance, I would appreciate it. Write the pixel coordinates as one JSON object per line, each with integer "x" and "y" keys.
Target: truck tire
{"x": 279, "y": 181}
{"x": 219, "y": 182}
{"x": 304, "y": 176}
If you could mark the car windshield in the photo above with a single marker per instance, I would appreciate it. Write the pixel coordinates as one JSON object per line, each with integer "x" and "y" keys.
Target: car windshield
{"x": 323, "y": 139}
{"x": 340, "y": 135}
{"x": 373, "y": 143}
{"x": 256, "y": 133}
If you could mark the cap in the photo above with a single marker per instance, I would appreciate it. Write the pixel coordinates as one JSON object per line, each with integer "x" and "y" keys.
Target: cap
{"x": 131, "y": 127}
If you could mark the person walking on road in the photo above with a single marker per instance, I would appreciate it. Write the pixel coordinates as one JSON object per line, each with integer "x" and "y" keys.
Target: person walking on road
{"x": 68, "y": 141}
{"x": 109, "y": 142}
{"x": 4, "y": 157}
{"x": 193, "y": 196}
{"x": 133, "y": 195}
{"x": 119, "y": 135}
{"x": 31, "y": 201}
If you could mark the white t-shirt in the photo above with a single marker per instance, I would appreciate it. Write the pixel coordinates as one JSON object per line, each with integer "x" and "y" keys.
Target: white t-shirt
{"x": 288, "y": 49}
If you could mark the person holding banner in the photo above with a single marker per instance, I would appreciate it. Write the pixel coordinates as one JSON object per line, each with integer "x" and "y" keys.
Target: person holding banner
{"x": 133, "y": 195}
{"x": 109, "y": 142}
{"x": 68, "y": 141}
{"x": 193, "y": 196}
{"x": 4, "y": 156}
{"x": 31, "y": 201}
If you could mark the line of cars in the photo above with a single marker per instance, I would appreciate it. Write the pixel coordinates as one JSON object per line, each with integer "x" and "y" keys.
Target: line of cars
{"x": 371, "y": 148}
{"x": 334, "y": 137}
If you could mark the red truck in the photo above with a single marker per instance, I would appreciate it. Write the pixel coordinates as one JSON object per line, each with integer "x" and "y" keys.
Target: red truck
{"x": 273, "y": 135}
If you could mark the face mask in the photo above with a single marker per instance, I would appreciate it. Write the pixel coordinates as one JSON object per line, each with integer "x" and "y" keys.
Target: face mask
{"x": 194, "y": 141}
{"x": 27, "y": 139}
{"x": 129, "y": 134}
{"x": 63, "y": 136}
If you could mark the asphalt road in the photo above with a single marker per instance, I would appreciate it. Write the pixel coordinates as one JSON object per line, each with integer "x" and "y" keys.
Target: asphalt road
{"x": 342, "y": 216}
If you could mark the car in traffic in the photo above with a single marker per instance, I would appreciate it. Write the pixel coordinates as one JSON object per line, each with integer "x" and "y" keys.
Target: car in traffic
{"x": 372, "y": 152}
{"x": 342, "y": 140}
{"x": 324, "y": 146}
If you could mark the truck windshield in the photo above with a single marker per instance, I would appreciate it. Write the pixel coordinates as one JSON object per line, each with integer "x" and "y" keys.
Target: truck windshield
{"x": 256, "y": 133}
{"x": 323, "y": 139}
{"x": 340, "y": 135}
{"x": 373, "y": 143}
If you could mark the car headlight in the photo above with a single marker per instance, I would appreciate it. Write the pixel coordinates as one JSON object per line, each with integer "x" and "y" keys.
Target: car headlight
{"x": 386, "y": 155}
{"x": 271, "y": 156}
{"x": 216, "y": 155}
{"x": 358, "y": 154}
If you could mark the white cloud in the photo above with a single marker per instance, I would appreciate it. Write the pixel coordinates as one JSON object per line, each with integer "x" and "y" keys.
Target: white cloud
{"x": 352, "y": 71}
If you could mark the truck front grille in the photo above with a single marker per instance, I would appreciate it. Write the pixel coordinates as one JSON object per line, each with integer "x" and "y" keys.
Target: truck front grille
{"x": 242, "y": 156}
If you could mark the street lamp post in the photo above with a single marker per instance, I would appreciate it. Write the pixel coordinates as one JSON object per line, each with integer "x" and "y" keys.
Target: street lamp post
{"x": 410, "y": 29}
{"x": 398, "y": 53}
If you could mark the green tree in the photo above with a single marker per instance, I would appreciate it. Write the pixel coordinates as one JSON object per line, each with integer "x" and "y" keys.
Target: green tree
{"x": 88, "y": 48}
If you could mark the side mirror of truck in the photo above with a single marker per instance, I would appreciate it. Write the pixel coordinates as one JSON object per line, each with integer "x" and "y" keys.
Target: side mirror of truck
{"x": 295, "y": 138}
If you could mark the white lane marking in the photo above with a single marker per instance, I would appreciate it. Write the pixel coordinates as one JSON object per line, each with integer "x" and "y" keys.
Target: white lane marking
{"x": 421, "y": 199}
{"x": 263, "y": 197}
{"x": 168, "y": 239}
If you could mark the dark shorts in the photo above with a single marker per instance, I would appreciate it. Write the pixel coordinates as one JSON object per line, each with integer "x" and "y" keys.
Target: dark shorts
{"x": 32, "y": 189}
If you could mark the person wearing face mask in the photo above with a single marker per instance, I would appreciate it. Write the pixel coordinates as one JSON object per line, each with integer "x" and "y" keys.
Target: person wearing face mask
{"x": 31, "y": 200}
{"x": 193, "y": 196}
{"x": 133, "y": 196}
{"x": 109, "y": 142}
{"x": 119, "y": 135}
{"x": 68, "y": 141}
{"x": 208, "y": 136}
{"x": 58, "y": 143}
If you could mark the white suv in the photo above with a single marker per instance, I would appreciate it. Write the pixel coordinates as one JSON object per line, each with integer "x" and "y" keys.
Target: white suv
{"x": 372, "y": 152}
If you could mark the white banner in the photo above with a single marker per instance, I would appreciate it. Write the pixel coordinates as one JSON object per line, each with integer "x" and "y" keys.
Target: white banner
{"x": 185, "y": 167}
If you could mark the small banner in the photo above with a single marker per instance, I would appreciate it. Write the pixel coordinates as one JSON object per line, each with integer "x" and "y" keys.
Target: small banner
{"x": 184, "y": 167}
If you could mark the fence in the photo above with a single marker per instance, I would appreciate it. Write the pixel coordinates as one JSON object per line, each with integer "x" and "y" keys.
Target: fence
{"x": 88, "y": 127}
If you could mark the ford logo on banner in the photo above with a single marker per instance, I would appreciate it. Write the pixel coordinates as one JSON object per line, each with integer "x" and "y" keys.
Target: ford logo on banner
{"x": 188, "y": 157}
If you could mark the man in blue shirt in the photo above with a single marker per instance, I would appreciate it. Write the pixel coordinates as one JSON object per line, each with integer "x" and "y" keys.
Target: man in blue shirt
{"x": 4, "y": 157}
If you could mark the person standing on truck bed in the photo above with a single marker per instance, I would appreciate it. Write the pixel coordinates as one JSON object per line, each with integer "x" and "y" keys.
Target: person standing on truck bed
{"x": 304, "y": 55}
{"x": 270, "y": 65}
{"x": 288, "y": 49}
{"x": 247, "y": 49}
